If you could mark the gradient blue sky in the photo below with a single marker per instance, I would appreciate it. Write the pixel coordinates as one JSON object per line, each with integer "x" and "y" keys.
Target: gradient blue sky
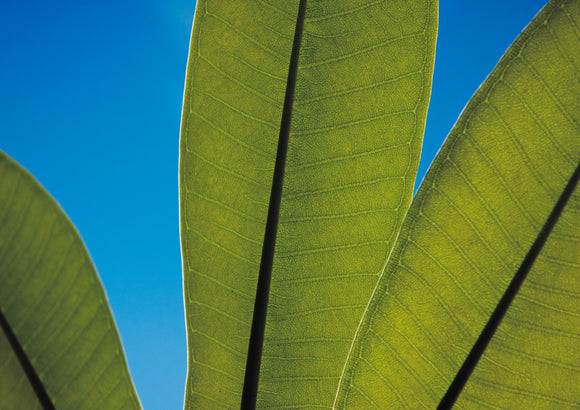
{"x": 90, "y": 103}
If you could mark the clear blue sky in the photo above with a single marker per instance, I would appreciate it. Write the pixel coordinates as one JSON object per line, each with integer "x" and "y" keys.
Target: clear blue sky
{"x": 90, "y": 103}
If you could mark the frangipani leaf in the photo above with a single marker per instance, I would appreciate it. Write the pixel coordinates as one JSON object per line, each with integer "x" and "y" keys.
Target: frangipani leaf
{"x": 480, "y": 208}
{"x": 52, "y": 301}
{"x": 363, "y": 79}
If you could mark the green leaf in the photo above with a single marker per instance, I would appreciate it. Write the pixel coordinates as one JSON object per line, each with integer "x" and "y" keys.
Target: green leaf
{"x": 362, "y": 86}
{"x": 480, "y": 208}
{"x": 52, "y": 301}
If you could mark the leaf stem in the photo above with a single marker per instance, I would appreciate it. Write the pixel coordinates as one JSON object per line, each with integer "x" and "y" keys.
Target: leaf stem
{"x": 250, "y": 390}
{"x": 496, "y": 317}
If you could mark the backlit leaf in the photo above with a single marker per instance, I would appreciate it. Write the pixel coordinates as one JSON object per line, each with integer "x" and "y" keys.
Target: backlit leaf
{"x": 54, "y": 304}
{"x": 480, "y": 208}
{"x": 362, "y": 87}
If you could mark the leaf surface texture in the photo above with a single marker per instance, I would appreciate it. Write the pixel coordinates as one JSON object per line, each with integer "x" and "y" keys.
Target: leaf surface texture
{"x": 363, "y": 84}
{"x": 479, "y": 209}
{"x": 54, "y": 302}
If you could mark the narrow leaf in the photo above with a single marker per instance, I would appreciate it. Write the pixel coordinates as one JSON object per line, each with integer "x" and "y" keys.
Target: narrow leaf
{"x": 55, "y": 315}
{"x": 362, "y": 86}
{"x": 476, "y": 216}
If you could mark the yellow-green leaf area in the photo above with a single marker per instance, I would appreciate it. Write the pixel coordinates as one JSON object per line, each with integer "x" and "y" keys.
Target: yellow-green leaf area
{"x": 236, "y": 79}
{"x": 361, "y": 96}
{"x": 54, "y": 303}
{"x": 362, "y": 88}
{"x": 534, "y": 359}
{"x": 481, "y": 206}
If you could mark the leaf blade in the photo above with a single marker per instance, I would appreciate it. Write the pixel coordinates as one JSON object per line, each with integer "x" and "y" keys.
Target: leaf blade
{"x": 352, "y": 159}
{"x": 344, "y": 127}
{"x": 481, "y": 205}
{"x": 54, "y": 303}
{"x": 504, "y": 304}
{"x": 541, "y": 311}
{"x": 234, "y": 92}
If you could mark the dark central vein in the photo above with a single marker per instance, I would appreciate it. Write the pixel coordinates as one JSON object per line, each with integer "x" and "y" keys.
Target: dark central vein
{"x": 488, "y": 331}
{"x": 19, "y": 352}
{"x": 254, "y": 359}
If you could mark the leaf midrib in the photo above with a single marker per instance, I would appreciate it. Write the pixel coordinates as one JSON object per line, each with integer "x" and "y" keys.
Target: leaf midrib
{"x": 253, "y": 361}
{"x": 33, "y": 378}
{"x": 512, "y": 290}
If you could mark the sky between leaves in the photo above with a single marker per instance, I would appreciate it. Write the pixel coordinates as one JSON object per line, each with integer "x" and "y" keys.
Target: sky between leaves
{"x": 91, "y": 105}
